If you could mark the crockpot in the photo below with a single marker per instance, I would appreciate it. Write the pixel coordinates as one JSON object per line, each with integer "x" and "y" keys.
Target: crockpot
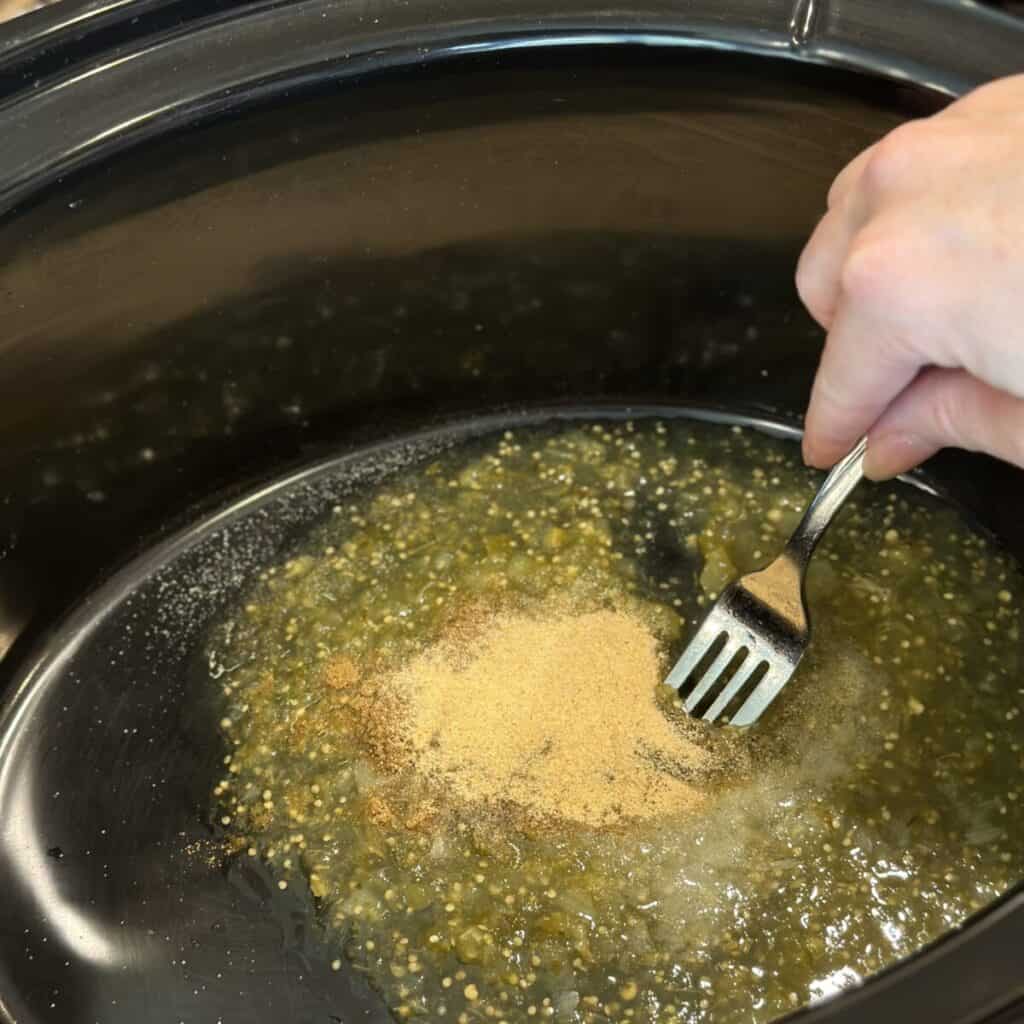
{"x": 238, "y": 237}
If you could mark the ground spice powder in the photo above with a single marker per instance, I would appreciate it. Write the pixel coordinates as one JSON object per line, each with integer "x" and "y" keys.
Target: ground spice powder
{"x": 555, "y": 719}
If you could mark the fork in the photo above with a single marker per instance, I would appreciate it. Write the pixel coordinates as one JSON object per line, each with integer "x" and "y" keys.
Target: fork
{"x": 763, "y": 618}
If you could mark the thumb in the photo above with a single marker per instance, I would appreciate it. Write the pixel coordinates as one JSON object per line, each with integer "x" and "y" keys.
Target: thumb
{"x": 941, "y": 409}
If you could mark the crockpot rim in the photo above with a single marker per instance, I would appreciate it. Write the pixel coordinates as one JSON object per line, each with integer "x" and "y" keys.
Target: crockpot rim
{"x": 27, "y": 38}
{"x": 93, "y": 50}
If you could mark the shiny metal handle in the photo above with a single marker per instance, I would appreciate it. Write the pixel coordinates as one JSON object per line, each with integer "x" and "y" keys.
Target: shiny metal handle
{"x": 844, "y": 476}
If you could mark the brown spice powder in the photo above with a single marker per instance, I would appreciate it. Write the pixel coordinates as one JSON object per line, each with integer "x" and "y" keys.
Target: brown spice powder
{"x": 555, "y": 720}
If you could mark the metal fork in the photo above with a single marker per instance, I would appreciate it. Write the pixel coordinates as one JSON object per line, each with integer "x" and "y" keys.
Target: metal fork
{"x": 763, "y": 617}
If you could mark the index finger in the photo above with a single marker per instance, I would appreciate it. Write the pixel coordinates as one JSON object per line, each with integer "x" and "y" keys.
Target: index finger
{"x": 863, "y": 368}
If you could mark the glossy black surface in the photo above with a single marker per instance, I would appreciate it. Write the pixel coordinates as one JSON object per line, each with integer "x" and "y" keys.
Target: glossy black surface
{"x": 199, "y": 58}
{"x": 361, "y": 238}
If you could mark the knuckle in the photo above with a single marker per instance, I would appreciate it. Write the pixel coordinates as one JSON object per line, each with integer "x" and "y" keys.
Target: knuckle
{"x": 868, "y": 271}
{"x": 894, "y": 158}
{"x": 837, "y": 190}
{"x": 807, "y": 287}
{"x": 816, "y": 282}
{"x": 846, "y": 179}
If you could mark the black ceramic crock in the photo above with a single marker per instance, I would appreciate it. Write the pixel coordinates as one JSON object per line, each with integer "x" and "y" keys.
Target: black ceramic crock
{"x": 236, "y": 238}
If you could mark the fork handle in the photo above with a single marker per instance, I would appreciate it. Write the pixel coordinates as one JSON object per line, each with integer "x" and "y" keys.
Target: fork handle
{"x": 840, "y": 482}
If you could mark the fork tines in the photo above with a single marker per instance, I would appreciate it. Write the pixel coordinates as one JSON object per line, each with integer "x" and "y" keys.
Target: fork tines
{"x": 726, "y": 666}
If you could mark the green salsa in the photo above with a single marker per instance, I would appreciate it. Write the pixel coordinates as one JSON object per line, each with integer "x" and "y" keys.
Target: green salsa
{"x": 876, "y": 805}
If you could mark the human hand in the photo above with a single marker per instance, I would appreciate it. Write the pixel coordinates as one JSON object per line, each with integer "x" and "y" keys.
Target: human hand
{"x": 917, "y": 274}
